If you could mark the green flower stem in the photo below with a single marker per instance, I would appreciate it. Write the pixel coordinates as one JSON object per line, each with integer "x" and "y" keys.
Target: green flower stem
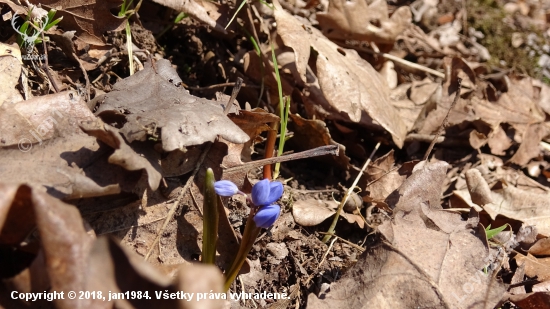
{"x": 251, "y": 232}
{"x": 210, "y": 220}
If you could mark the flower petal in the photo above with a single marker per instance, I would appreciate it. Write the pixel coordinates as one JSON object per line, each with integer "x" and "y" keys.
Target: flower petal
{"x": 275, "y": 192}
{"x": 266, "y": 216}
{"x": 225, "y": 188}
{"x": 260, "y": 192}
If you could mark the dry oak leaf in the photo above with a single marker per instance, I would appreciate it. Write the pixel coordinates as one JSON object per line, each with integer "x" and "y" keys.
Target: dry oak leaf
{"x": 90, "y": 19}
{"x": 358, "y": 20}
{"x": 427, "y": 257}
{"x": 353, "y": 90}
{"x": 146, "y": 102}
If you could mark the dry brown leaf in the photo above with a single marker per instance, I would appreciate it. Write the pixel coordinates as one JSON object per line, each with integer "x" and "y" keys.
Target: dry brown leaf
{"x": 539, "y": 299}
{"x": 396, "y": 273}
{"x": 532, "y": 208}
{"x": 309, "y": 134}
{"x": 349, "y": 87}
{"x": 66, "y": 258}
{"x": 313, "y": 212}
{"x": 123, "y": 156}
{"x": 529, "y": 147}
{"x": 44, "y": 147}
{"x": 499, "y": 141}
{"x": 147, "y": 102}
{"x": 422, "y": 91}
{"x": 10, "y": 71}
{"x": 535, "y": 267}
{"x": 64, "y": 242}
{"x": 42, "y": 118}
{"x": 382, "y": 180}
{"x": 541, "y": 247}
{"x": 90, "y": 19}
{"x": 363, "y": 21}
{"x": 195, "y": 9}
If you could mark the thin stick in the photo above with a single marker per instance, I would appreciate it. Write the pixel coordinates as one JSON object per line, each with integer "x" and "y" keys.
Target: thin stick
{"x": 413, "y": 65}
{"x": 346, "y": 196}
{"x": 46, "y": 66}
{"x": 326, "y": 252}
{"x": 397, "y": 59}
{"x": 231, "y": 84}
{"x": 444, "y": 123}
{"x": 315, "y": 152}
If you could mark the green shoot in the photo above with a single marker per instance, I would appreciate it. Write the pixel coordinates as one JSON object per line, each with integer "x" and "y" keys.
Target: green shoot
{"x": 30, "y": 30}
{"x": 282, "y": 139}
{"x": 210, "y": 219}
{"x": 259, "y": 53}
{"x": 493, "y": 232}
{"x": 125, "y": 12}
{"x": 283, "y": 112}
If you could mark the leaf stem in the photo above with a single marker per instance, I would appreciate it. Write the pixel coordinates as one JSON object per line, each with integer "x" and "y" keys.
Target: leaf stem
{"x": 210, "y": 219}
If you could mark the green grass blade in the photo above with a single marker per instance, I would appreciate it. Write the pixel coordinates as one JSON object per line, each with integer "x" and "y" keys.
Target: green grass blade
{"x": 235, "y": 15}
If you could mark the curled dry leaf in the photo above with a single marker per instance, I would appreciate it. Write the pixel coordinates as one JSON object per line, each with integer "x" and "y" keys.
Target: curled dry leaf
{"x": 43, "y": 146}
{"x": 349, "y": 87}
{"x": 123, "y": 156}
{"x": 532, "y": 208}
{"x": 146, "y": 102}
{"x": 64, "y": 257}
{"x": 90, "y": 19}
{"x": 64, "y": 243}
{"x": 359, "y": 20}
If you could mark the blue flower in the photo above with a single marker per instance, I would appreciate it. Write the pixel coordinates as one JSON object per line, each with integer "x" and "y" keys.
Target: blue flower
{"x": 266, "y": 215}
{"x": 225, "y": 188}
{"x": 266, "y": 192}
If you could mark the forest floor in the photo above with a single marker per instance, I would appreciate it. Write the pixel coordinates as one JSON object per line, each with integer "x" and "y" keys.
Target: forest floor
{"x": 422, "y": 127}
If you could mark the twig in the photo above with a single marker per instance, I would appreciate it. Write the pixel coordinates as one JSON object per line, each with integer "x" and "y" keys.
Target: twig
{"x": 232, "y": 84}
{"x": 326, "y": 252}
{"x": 396, "y": 59}
{"x": 413, "y": 65}
{"x": 315, "y": 152}
{"x": 346, "y": 196}
{"x": 46, "y": 66}
{"x": 444, "y": 123}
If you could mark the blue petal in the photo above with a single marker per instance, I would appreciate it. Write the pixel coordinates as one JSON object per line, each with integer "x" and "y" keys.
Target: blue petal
{"x": 266, "y": 216}
{"x": 225, "y": 188}
{"x": 275, "y": 192}
{"x": 260, "y": 192}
